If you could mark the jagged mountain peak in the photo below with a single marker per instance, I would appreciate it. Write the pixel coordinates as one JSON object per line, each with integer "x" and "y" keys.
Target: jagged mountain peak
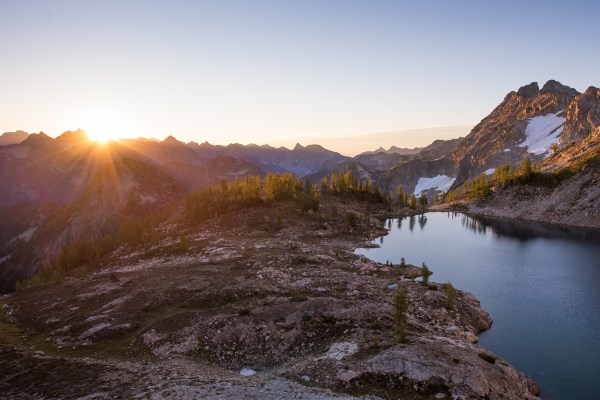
{"x": 171, "y": 140}
{"x": 552, "y": 87}
{"x": 555, "y": 87}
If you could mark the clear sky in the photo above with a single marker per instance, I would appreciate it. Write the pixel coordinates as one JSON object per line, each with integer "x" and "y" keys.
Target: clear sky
{"x": 283, "y": 71}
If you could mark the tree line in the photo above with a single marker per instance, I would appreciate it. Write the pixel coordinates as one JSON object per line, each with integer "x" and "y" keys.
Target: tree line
{"x": 504, "y": 176}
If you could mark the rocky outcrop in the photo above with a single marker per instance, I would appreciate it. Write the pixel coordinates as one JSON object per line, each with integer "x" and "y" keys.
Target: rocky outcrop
{"x": 528, "y": 91}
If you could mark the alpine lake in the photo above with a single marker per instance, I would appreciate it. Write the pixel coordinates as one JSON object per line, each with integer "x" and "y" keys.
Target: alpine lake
{"x": 539, "y": 282}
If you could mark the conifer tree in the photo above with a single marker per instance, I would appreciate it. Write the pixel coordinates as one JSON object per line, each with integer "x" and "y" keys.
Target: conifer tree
{"x": 423, "y": 200}
{"x": 400, "y": 309}
{"x": 450, "y": 292}
{"x": 324, "y": 185}
{"x": 413, "y": 201}
{"x": 400, "y": 196}
{"x": 526, "y": 168}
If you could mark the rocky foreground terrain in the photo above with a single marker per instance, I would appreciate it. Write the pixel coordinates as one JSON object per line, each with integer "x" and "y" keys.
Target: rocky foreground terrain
{"x": 266, "y": 302}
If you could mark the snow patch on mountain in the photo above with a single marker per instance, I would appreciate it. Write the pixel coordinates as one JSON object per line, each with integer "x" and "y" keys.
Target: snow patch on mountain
{"x": 440, "y": 182}
{"x": 542, "y": 132}
{"x": 489, "y": 171}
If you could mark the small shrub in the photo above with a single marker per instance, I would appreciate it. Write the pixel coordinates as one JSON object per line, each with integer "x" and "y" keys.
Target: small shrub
{"x": 321, "y": 222}
{"x": 244, "y": 311}
{"x": 334, "y": 212}
{"x": 402, "y": 262}
{"x": 426, "y": 273}
{"x": 375, "y": 344}
{"x": 298, "y": 298}
{"x": 351, "y": 218}
{"x": 487, "y": 357}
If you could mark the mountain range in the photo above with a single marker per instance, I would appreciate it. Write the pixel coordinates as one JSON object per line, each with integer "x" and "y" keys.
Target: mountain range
{"x": 526, "y": 124}
{"x": 54, "y": 191}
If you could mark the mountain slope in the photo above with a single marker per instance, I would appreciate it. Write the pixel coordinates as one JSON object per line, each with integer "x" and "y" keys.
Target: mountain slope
{"x": 122, "y": 190}
{"x": 42, "y": 169}
{"x": 574, "y": 196}
{"x": 517, "y": 128}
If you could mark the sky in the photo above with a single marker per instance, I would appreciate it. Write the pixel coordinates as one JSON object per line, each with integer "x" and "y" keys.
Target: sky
{"x": 335, "y": 72}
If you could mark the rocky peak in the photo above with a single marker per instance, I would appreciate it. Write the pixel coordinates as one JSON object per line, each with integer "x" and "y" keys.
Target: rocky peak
{"x": 529, "y": 91}
{"x": 171, "y": 140}
{"x": 77, "y": 135}
{"x": 316, "y": 147}
{"x": 591, "y": 93}
{"x": 37, "y": 138}
{"x": 8, "y": 138}
{"x": 555, "y": 87}
{"x": 298, "y": 146}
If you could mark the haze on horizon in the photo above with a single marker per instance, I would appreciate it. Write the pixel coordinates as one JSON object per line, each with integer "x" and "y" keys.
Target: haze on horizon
{"x": 348, "y": 75}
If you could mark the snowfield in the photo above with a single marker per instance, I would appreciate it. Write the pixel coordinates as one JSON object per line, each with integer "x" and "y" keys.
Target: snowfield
{"x": 440, "y": 182}
{"x": 542, "y": 132}
{"x": 489, "y": 171}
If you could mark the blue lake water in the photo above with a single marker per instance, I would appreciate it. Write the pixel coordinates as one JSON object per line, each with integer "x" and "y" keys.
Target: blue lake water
{"x": 539, "y": 282}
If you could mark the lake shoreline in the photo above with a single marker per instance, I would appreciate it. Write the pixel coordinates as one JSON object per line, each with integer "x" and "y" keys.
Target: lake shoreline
{"x": 516, "y": 256}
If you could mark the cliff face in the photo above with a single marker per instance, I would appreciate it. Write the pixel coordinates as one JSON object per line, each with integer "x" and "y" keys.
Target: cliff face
{"x": 573, "y": 200}
{"x": 554, "y": 126}
{"x": 582, "y": 116}
{"x": 502, "y": 136}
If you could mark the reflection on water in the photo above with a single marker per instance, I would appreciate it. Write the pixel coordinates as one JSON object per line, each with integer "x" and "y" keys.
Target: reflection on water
{"x": 422, "y": 221}
{"x": 538, "y": 281}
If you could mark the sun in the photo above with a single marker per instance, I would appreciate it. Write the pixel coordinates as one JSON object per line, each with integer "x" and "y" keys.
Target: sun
{"x": 103, "y": 124}
{"x": 101, "y": 136}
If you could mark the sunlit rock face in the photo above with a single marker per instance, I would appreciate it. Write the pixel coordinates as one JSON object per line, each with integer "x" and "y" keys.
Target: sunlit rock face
{"x": 525, "y": 124}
